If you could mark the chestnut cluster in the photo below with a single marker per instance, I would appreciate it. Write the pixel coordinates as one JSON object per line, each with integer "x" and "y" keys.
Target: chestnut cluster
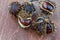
{"x": 27, "y": 16}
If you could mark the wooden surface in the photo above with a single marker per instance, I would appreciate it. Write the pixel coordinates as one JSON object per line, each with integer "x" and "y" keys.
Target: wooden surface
{"x": 10, "y": 30}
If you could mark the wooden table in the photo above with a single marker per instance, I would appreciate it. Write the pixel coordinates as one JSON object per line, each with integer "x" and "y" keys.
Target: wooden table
{"x": 10, "y": 30}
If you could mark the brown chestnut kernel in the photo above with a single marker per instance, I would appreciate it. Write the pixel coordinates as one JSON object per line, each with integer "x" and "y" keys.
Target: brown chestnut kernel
{"x": 47, "y": 6}
{"x": 49, "y": 28}
{"x": 25, "y": 22}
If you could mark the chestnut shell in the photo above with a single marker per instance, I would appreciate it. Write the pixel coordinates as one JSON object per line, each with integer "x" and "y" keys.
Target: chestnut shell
{"x": 29, "y": 8}
{"x": 15, "y": 8}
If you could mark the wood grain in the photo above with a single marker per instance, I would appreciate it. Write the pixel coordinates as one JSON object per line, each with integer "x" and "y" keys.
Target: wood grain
{"x": 10, "y": 30}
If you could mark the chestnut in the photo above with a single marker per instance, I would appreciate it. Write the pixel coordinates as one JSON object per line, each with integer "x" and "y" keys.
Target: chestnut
{"x": 29, "y": 8}
{"x": 25, "y": 22}
{"x": 15, "y": 7}
{"x": 47, "y": 6}
{"x": 48, "y": 28}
